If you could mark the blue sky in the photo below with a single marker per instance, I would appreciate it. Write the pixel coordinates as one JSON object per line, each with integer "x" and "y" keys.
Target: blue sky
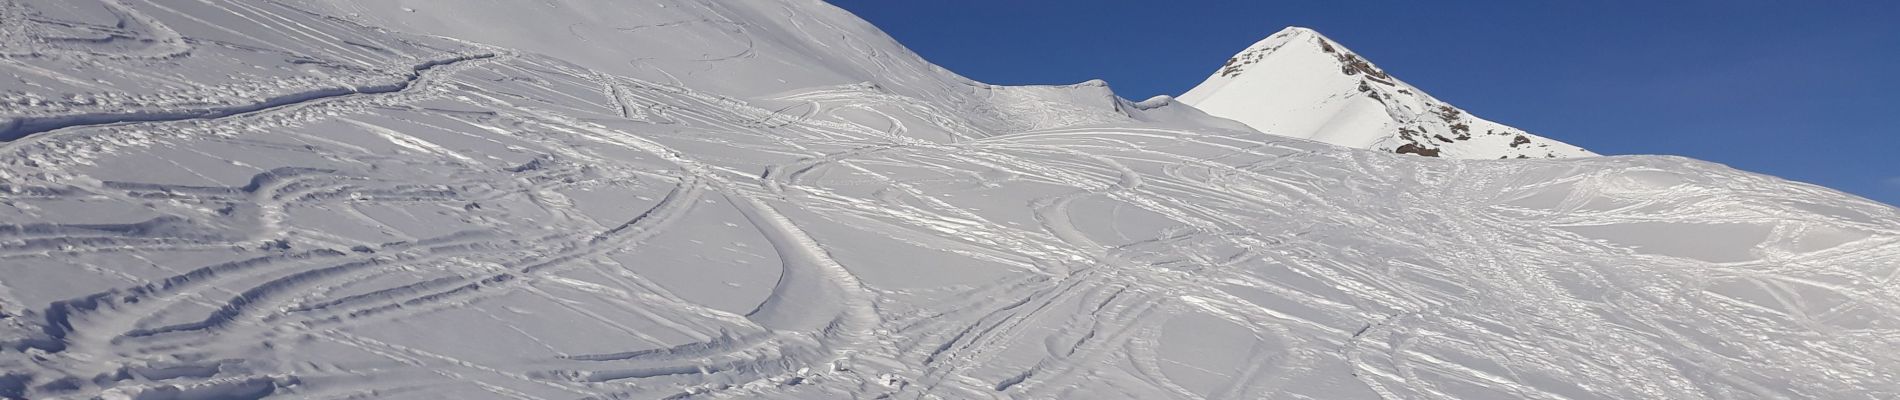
{"x": 1802, "y": 90}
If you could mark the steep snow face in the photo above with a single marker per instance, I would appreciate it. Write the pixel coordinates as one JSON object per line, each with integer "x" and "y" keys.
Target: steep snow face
{"x": 1301, "y": 84}
{"x": 91, "y": 62}
{"x": 741, "y": 49}
{"x": 737, "y": 49}
{"x": 499, "y": 222}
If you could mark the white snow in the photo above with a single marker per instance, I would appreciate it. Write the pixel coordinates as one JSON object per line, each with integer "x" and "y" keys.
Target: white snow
{"x": 1300, "y": 84}
{"x": 772, "y": 199}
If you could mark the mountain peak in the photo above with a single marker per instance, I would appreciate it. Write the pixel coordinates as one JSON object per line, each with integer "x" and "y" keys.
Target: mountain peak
{"x": 1296, "y": 31}
{"x": 1302, "y": 40}
{"x": 1299, "y": 83}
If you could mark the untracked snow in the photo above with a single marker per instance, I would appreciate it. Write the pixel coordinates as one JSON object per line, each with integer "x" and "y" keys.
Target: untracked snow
{"x": 346, "y": 199}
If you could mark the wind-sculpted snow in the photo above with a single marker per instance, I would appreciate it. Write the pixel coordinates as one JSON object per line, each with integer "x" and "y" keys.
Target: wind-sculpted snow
{"x": 518, "y": 226}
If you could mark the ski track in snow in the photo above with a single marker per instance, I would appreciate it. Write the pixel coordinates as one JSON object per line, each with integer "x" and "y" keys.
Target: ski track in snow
{"x": 505, "y": 224}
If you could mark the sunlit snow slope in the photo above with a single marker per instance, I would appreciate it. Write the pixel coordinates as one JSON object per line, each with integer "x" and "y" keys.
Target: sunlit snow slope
{"x": 771, "y": 199}
{"x": 1299, "y": 83}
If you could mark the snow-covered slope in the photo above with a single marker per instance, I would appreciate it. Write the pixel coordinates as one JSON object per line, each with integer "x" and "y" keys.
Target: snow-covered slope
{"x": 1298, "y": 83}
{"x": 512, "y": 216}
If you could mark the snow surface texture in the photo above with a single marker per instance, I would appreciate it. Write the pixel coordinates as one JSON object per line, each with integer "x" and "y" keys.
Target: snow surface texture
{"x": 1299, "y": 83}
{"x": 681, "y": 199}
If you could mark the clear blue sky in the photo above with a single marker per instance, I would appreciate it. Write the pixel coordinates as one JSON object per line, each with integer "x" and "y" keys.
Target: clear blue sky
{"x": 1798, "y": 89}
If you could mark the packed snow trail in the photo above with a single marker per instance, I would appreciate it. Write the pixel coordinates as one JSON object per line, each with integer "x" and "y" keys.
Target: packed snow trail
{"x": 21, "y": 127}
{"x": 551, "y": 222}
